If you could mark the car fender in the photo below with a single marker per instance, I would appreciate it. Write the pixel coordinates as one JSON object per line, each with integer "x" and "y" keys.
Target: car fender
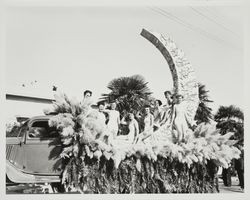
{"x": 18, "y": 176}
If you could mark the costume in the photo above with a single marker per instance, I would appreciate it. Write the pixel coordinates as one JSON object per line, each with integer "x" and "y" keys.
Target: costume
{"x": 148, "y": 125}
{"x": 113, "y": 123}
{"x": 148, "y": 120}
{"x": 101, "y": 116}
{"x": 133, "y": 130}
{"x": 158, "y": 115}
{"x": 180, "y": 122}
{"x": 166, "y": 114}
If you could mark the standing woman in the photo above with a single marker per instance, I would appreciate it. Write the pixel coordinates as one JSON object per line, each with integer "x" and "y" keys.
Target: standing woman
{"x": 169, "y": 97}
{"x": 179, "y": 121}
{"x": 114, "y": 121}
{"x": 158, "y": 114}
{"x": 167, "y": 108}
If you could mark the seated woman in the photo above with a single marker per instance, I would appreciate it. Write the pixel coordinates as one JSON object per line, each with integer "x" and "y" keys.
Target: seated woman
{"x": 148, "y": 121}
{"x": 133, "y": 128}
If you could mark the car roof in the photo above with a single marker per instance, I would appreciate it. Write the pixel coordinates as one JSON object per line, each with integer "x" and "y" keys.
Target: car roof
{"x": 41, "y": 117}
{"x": 36, "y": 118}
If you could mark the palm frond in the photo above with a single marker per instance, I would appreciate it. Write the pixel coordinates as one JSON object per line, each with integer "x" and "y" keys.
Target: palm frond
{"x": 204, "y": 113}
{"x": 130, "y": 93}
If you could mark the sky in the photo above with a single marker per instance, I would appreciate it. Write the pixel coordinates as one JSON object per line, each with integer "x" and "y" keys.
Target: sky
{"x": 86, "y": 47}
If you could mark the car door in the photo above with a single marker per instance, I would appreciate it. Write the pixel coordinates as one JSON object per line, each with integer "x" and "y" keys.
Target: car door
{"x": 14, "y": 148}
{"x": 42, "y": 149}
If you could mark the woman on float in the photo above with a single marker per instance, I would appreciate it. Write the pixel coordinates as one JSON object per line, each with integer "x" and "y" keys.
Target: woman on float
{"x": 179, "y": 122}
{"x": 133, "y": 128}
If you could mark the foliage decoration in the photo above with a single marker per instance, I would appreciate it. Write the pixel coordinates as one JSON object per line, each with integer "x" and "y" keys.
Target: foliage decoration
{"x": 203, "y": 113}
{"x": 157, "y": 165}
{"x": 12, "y": 128}
{"x": 231, "y": 118}
{"x": 130, "y": 93}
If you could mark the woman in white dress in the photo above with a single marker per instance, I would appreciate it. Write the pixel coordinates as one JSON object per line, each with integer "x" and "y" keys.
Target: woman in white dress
{"x": 148, "y": 120}
{"x": 114, "y": 121}
{"x": 179, "y": 121}
{"x": 101, "y": 116}
{"x": 133, "y": 128}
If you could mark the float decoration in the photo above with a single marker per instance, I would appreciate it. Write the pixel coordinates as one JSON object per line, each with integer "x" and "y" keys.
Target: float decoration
{"x": 159, "y": 165}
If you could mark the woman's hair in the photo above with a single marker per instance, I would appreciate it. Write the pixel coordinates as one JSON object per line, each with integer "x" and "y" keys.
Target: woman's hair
{"x": 159, "y": 102}
{"x": 179, "y": 95}
{"x": 167, "y": 92}
{"x": 100, "y": 103}
{"x": 127, "y": 116}
{"x": 87, "y": 91}
{"x": 131, "y": 114}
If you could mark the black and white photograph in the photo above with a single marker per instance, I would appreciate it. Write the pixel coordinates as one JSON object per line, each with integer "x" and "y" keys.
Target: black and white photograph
{"x": 123, "y": 98}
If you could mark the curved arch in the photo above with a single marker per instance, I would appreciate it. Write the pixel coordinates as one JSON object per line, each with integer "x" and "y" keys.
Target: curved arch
{"x": 184, "y": 80}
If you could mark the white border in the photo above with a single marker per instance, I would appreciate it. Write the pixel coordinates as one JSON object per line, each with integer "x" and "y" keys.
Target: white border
{"x": 77, "y": 3}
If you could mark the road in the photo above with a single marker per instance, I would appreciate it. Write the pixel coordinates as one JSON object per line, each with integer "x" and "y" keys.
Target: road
{"x": 235, "y": 188}
{"x": 38, "y": 189}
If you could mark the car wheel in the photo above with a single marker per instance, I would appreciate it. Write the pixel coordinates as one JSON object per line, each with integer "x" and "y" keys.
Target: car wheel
{"x": 58, "y": 187}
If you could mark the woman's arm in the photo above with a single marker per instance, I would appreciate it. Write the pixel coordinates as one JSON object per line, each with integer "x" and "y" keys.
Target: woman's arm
{"x": 118, "y": 118}
{"x": 173, "y": 116}
{"x": 123, "y": 121}
{"x": 106, "y": 111}
{"x": 151, "y": 121}
{"x": 136, "y": 132}
{"x": 136, "y": 128}
{"x": 138, "y": 115}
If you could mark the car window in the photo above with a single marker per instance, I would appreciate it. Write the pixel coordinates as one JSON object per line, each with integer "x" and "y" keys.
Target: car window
{"x": 41, "y": 129}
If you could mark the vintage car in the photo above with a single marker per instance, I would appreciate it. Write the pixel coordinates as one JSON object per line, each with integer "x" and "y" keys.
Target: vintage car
{"x": 33, "y": 155}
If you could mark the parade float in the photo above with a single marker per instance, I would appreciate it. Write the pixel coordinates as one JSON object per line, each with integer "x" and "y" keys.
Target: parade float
{"x": 87, "y": 162}
{"x": 156, "y": 165}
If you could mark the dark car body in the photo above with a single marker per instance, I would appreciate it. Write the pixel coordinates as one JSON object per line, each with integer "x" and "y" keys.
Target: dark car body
{"x": 33, "y": 155}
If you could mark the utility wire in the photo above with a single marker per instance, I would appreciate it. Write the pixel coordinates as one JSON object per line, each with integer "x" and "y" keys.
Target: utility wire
{"x": 218, "y": 17}
{"x": 190, "y": 26}
{"x": 214, "y": 14}
{"x": 214, "y": 21}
